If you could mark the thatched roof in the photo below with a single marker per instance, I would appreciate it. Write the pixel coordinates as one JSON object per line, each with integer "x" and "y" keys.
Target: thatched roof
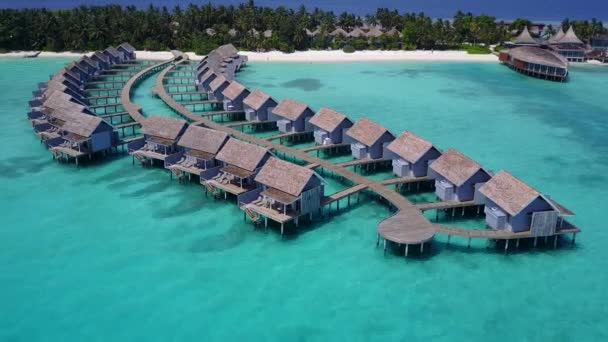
{"x": 508, "y": 192}
{"x": 536, "y": 55}
{"x": 232, "y": 32}
{"x": 328, "y": 119}
{"x": 127, "y": 47}
{"x": 82, "y": 124}
{"x": 163, "y": 127}
{"x": 570, "y": 37}
{"x": 267, "y": 33}
{"x": 218, "y": 82}
{"x": 284, "y": 176}
{"x": 374, "y": 32}
{"x": 203, "y": 139}
{"x": 410, "y": 147}
{"x": 234, "y": 90}
{"x": 99, "y": 55}
{"x": 556, "y": 37}
{"x": 257, "y": 99}
{"x": 455, "y": 167}
{"x": 207, "y": 75}
{"x": 366, "y": 131}
{"x": 290, "y": 109}
{"x": 338, "y": 31}
{"x": 356, "y": 33}
{"x": 210, "y": 32}
{"x": 112, "y": 51}
{"x": 89, "y": 61}
{"x": 62, "y": 102}
{"x": 242, "y": 154}
{"x": 525, "y": 38}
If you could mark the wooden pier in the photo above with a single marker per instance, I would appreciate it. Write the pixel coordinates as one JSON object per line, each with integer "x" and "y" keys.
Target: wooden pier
{"x": 408, "y": 226}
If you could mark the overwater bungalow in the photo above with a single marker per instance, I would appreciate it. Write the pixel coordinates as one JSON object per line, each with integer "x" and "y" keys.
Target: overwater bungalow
{"x": 368, "y": 139}
{"x": 411, "y": 155}
{"x": 82, "y": 135}
{"x": 205, "y": 81}
{"x": 536, "y": 62}
{"x": 457, "y": 177}
{"x": 198, "y": 146}
{"x": 292, "y": 116}
{"x": 79, "y": 71}
{"x": 161, "y": 134}
{"x": 234, "y": 95}
{"x": 216, "y": 88}
{"x": 89, "y": 65}
{"x": 54, "y": 85}
{"x": 570, "y": 46}
{"x": 115, "y": 56}
{"x": 48, "y": 125}
{"x": 103, "y": 60}
{"x": 258, "y": 105}
{"x": 330, "y": 126}
{"x": 288, "y": 191}
{"x": 513, "y": 205}
{"x": 241, "y": 161}
{"x": 128, "y": 51}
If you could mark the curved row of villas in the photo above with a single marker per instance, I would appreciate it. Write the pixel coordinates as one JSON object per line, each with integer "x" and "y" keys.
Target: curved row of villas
{"x": 60, "y": 112}
{"x": 233, "y": 166}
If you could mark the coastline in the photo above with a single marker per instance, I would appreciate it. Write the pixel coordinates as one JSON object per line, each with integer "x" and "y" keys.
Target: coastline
{"x": 309, "y": 56}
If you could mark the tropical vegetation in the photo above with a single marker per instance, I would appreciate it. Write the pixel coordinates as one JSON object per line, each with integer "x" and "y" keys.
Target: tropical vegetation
{"x": 250, "y": 27}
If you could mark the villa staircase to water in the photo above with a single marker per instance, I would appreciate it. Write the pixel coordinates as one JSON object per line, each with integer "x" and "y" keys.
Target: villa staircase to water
{"x": 211, "y": 189}
{"x": 177, "y": 172}
{"x": 251, "y": 214}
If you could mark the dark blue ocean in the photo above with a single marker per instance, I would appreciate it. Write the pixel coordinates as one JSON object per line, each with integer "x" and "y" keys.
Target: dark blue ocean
{"x": 547, "y": 10}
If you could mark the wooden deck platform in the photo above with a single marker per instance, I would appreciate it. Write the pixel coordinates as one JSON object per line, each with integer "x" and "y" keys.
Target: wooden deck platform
{"x": 287, "y": 135}
{"x": 336, "y": 196}
{"x": 271, "y": 213}
{"x": 358, "y": 162}
{"x": 403, "y": 180}
{"x": 323, "y": 147}
{"x": 229, "y": 188}
{"x": 444, "y": 205}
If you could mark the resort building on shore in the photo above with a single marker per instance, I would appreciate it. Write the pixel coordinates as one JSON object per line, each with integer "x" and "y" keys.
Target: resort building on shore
{"x": 536, "y": 62}
{"x": 216, "y": 88}
{"x": 241, "y": 161}
{"x": 570, "y": 46}
{"x": 292, "y": 116}
{"x": 513, "y": 205}
{"x": 234, "y": 95}
{"x": 368, "y": 139}
{"x": 288, "y": 191}
{"x": 161, "y": 134}
{"x": 599, "y": 42}
{"x": 258, "y": 105}
{"x": 330, "y": 126}
{"x": 198, "y": 147}
{"x": 457, "y": 177}
{"x": 411, "y": 155}
{"x": 525, "y": 39}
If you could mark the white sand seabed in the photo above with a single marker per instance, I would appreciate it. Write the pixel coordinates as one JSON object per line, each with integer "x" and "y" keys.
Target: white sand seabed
{"x": 309, "y": 56}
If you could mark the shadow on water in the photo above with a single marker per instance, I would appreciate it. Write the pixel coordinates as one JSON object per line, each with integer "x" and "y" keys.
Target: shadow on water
{"x": 158, "y": 186}
{"x": 18, "y": 167}
{"x": 229, "y": 239}
{"x": 306, "y": 84}
{"x": 187, "y": 205}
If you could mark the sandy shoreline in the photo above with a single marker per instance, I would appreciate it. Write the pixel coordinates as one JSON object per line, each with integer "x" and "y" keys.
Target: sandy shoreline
{"x": 306, "y": 56}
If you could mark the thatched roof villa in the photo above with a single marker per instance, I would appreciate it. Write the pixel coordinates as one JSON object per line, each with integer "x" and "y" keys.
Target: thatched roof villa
{"x": 258, "y": 105}
{"x": 292, "y": 116}
{"x": 457, "y": 177}
{"x": 330, "y": 126}
{"x": 411, "y": 155}
{"x": 367, "y": 139}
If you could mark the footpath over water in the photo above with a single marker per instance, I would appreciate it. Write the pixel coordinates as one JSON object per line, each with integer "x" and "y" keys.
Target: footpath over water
{"x": 407, "y": 226}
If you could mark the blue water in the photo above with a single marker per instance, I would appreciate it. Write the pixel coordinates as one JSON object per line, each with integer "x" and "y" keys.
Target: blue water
{"x": 555, "y": 10}
{"x": 116, "y": 252}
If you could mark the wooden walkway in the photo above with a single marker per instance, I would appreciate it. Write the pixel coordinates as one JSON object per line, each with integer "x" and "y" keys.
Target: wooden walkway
{"x": 403, "y": 180}
{"x": 323, "y": 147}
{"x": 358, "y": 162}
{"x": 407, "y": 226}
{"x": 336, "y": 196}
{"x": 444, "y": 205}
{"x": 287, "y": 135}
{"x": 245, "y": 123}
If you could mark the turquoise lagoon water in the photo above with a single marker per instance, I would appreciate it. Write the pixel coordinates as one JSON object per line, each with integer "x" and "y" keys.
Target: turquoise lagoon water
{"x": 114, "y": 252}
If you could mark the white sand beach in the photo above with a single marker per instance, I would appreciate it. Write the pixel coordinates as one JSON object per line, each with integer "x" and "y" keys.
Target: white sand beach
{"x": 366, "y": 56}
{"x": 306, "y": 56}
